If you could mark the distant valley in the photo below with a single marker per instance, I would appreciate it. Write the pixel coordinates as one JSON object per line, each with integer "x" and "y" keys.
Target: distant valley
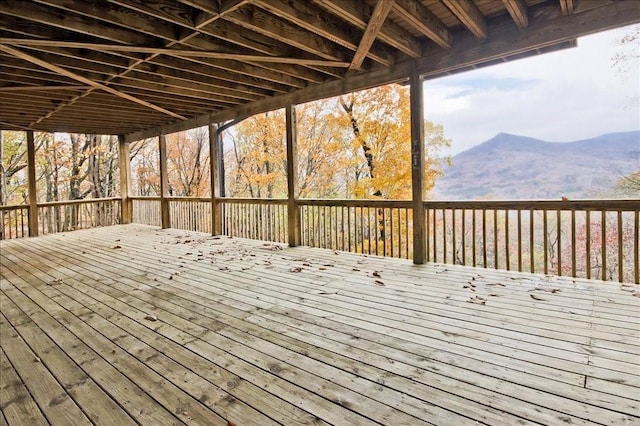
{"x": 517, "y": 167}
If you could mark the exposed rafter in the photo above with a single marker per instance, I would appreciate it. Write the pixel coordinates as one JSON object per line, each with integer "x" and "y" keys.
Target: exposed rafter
{"x": 470, "y": 16}
{"x": 174, "y": 52}
{"x": 567, "y": 7}
{"x": 22, "y": 55}
{"x": 380, "y": 12}
{"x": 423, "y": 20}
{"x": 518, "y": 11}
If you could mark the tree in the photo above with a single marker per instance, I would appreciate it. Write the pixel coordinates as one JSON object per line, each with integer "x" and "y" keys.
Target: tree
{"x": 188, "y": 163}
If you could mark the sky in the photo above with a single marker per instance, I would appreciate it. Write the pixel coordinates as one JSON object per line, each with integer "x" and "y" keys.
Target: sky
{"x": 564, "y": 96}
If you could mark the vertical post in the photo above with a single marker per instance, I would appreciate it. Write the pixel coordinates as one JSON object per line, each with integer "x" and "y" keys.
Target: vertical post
{"x": 214, "y": 179}
{"x": 417, "y": 169}
{"x": 293, "y": 213}
{"x": 31, "y": 172}
{"x": 126, "y": 207}
{"x": 164, "y": 183}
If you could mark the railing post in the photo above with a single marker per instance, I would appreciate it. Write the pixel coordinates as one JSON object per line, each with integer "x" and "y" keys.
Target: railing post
{"x": 293, "y": 212}
{"x": 164, "y": 183}
{"x": 126, "y": 206}
{"x": 33, "y": 196}
{"x": 214, "y": 170}
{"x": 417, "y": 169}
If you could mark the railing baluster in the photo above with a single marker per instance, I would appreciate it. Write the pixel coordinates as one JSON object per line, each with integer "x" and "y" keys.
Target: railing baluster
{"x": 573, "y": 244}
{"x": 464, "y": 236}
{"x": 636, "y": 246}
{"x": 484, "y": 238}
{"x": 495, "y": 238}
{"x": 588, "y": 242}
{"x": 519, "y": 213}
{"x": 559, "y": 236}
{"x": 506, "y": 239}
{"x": 473, "y": 235}
{"x": 620, "y": 247}
{"x": 454, "y": 246}
{"x": 545, "y": 241}
{"x": 604, "y": 244}
{"x": 532, "y": 247}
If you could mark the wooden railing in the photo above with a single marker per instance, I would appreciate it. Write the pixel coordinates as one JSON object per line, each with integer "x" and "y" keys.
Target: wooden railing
{"x": 587, "y": 238}
{"x": 376, "y": 227}
{"x": 258, "y": 219}
{"x": 146, "y": 210}
{"x": 190, "y": 213}
{"x": 14, "y": 221}
{"x": 61, "y": 216}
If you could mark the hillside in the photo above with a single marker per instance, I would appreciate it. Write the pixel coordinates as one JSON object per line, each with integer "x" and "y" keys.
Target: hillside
{"x": 517, "y": 167}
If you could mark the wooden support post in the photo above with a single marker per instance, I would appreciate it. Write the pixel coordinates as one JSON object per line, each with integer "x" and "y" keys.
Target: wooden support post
{"x": 126, "y": 206}
{"x": 164, "y": 183}
{"x": 417, "y": 169}
{"x": 293, "y": 213}
{"x": 214, "y": 169}
{"x": 31, "y": 173}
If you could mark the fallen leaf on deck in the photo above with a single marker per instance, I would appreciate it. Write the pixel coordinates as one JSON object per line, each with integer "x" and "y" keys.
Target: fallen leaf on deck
{"x": 116, "y": 247}
{"x": 306, "y": 264}
{"x": 322, "y": 269}
{"x": 478, "y": 300}
{"x": 376, "y": 274}
{"x": 36, "y": 359}
{"x": 545, "y": 288}
{"x": 355, "y": 269}
{"x": 335, "y": 252}
{"x": 379, "y": 283}
{"x": 56, "y": 281}
{"x": 324, "y": 292}
{"x": 440, "y": 272}
{"x": 494, "y": 294}
{"x": 223, "y": 268}
{"x": 534, "y": 297}
{"x": 150, "y": 317}
{"x": 296, "y": 269}
{"x": 627, "y": 287}
{"x": 635, "y": 293}
{"x": 499, "y": 284}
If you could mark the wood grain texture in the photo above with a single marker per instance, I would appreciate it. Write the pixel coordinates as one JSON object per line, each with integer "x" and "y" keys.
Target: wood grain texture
{"x": 240, "y": 338}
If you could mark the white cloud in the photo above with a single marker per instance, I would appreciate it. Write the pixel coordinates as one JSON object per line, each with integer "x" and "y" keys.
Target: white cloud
{"x": 567, "y": 95}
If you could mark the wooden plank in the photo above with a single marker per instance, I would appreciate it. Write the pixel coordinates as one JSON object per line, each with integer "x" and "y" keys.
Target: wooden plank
{"x": 518, "y": 11}
{"x": 31, "y": 182}
{"x": 94, "y": 402}
{"x": 424, "y": 21}
{"x": 470, "y": 16}
{"x": 360, "y": 318}
{"x": 374, "y": 26}
{"x": 50, "y": 396}
{"x": 18, "y": 406}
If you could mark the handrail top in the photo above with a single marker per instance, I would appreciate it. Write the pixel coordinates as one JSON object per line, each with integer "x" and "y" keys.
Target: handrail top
{"x": 83, "y": 201}
{"x": 584, "y": 204}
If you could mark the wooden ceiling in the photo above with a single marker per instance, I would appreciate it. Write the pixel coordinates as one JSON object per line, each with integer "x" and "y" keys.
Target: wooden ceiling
{"x": 138, "y": 66}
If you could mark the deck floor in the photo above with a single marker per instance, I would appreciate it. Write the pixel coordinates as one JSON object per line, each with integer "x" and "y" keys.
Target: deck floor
{"x": 135, "y": 325}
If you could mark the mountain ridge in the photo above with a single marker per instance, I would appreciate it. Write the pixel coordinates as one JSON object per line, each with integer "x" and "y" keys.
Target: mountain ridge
{"x": 511, "y": 166}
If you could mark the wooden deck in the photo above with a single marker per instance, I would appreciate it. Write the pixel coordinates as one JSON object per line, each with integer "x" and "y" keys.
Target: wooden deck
{"x": 135, "y": 325}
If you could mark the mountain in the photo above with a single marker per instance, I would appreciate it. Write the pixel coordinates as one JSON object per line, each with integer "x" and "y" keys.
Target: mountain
{"x": 518, "y": 167}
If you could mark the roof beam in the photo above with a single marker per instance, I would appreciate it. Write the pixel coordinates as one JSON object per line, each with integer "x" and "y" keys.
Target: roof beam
{"x": 174, "y": 52}
{"x": 470, "y": 16}
{"x": 257, "y": 20}
{"x": 549, "y": 29}
{"x": 423, "y": 20}
{"x": 358, "y": 12}
{"x": 380, "y": 12}
{"x": 567, "y": 6}
{"x": 305, "y": 15}
{"x": 518, "y": 11}
{"x": 29, "y": 58}
{"x": 39, "y": 88}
